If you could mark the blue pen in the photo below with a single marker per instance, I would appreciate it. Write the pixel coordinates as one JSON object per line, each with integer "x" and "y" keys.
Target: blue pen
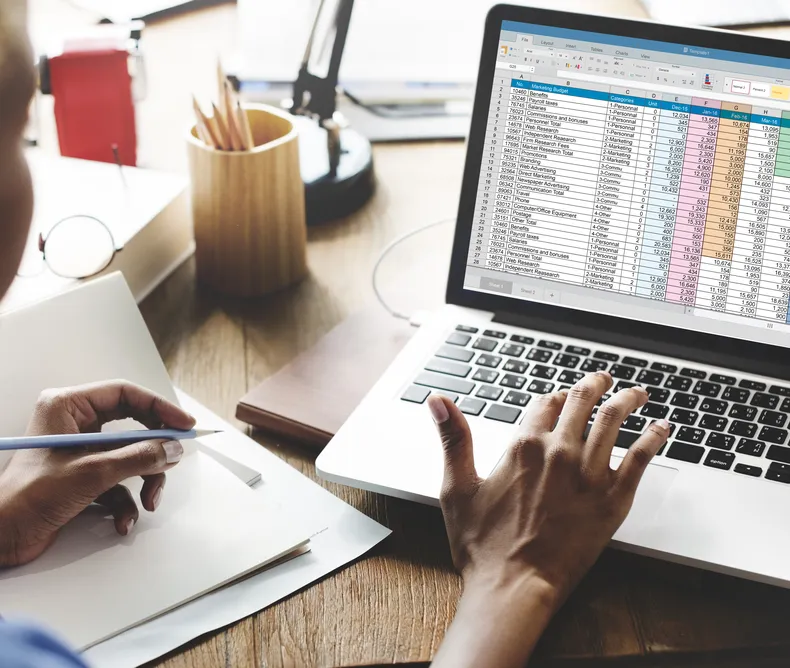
{"x": 100, "y": 439}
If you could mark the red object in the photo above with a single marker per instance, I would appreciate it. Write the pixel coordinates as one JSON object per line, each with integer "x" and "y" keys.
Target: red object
{"x": 94, "y": 109}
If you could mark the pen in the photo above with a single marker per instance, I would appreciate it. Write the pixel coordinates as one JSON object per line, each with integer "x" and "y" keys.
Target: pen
{"x": 100, "y": 439}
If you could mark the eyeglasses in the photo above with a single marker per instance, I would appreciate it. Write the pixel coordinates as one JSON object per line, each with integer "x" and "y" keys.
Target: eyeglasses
{"x": 75, "y": 247}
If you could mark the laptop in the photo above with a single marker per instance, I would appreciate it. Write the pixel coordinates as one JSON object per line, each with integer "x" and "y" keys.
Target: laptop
{"x": 625, "y": 207}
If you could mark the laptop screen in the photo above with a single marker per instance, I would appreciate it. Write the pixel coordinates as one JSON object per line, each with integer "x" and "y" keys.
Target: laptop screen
{"x": 637, "y": 178}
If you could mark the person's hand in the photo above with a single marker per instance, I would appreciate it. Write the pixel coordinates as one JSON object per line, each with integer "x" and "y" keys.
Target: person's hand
{"x": 525, "y": 536}
{"x": 41, "y": 490}
{"x": 553, "y": 502}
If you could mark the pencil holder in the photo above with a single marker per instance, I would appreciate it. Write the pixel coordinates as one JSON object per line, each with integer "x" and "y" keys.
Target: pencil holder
{"x": 249, "y": 209}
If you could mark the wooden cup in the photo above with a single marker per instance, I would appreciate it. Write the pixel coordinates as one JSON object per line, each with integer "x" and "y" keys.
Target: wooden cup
{"x": 249, "y": 209}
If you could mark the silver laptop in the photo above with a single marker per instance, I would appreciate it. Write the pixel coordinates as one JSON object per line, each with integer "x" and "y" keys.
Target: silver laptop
{"x": 625, "y": 206}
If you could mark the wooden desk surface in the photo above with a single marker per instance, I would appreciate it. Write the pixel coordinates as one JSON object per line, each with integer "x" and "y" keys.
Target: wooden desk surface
{"x": 393, "y": 606}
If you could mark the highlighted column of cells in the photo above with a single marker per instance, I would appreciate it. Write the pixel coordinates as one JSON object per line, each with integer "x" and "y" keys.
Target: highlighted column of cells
{"x": 684, "y": 269}
{"x": 722, "y": 216}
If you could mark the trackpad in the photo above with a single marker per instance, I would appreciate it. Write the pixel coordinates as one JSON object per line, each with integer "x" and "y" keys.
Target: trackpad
{"x": 649, "y": 498}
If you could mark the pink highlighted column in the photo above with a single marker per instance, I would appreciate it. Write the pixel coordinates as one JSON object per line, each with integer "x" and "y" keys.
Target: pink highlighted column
{"x": 684, "y": 267}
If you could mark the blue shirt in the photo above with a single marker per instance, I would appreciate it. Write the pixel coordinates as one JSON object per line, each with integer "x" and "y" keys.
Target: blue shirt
{"x": 23, "y": 646}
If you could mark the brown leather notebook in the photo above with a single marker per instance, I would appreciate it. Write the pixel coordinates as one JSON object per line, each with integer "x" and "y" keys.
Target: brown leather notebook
{"x": 309, "y": 399}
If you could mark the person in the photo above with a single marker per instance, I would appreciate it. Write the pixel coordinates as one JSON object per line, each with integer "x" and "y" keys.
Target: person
{"x": 521, "y": 539}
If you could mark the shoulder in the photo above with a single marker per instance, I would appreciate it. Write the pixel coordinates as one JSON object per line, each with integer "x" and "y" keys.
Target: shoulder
{"x": 17, "y": 74}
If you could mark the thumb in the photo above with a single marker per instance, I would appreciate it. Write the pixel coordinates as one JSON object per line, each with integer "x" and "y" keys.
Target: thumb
{"x": 459, "y": 461}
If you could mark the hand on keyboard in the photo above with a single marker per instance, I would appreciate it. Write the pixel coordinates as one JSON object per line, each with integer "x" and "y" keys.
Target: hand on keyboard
{"x": 525, "y": 536}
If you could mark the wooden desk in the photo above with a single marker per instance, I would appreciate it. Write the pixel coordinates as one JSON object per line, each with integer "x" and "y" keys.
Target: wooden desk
{"x": 394, "y": 606}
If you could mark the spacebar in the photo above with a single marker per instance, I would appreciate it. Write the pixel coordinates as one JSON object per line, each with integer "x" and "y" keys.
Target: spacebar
{"x": 442, "y": 382}
{"x": 625, "y": 439}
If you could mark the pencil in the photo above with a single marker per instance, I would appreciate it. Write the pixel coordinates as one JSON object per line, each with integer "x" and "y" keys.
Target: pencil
{"x": 244, "y": 124}
{"x": 100, "y": 439}
{"x": 232, "y": 119}
{"x": 206, "y": 126}
{"x": 222, "y": 129}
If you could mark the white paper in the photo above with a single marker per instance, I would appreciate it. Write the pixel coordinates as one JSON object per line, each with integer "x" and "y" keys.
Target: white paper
{"x": 349, "y": 535}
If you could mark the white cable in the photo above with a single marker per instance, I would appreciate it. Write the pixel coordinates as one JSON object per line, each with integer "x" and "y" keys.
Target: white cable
{"x": 383, "y": 255}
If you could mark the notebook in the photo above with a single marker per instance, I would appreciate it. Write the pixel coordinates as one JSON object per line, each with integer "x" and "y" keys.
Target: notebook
{"x": 210, "y": 529}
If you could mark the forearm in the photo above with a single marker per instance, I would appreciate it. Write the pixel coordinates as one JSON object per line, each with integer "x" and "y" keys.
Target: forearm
{"x": 498, "y": 623}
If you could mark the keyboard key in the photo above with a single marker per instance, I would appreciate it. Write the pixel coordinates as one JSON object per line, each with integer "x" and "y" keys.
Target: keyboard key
{"x": 778, "y": 472}
{"x": 748, "y": 446}
{"x": 754, "y": 471}
{"x": 485, "y": 344}
{"x": 567, "y": 361}
{"x": 452, "y": 396}
{"x": 526, "y": 340}
{"x": 719, "y": 460}
{"x": 540, "y": 387}
{"x": 494, "y": 334}
{"x": 467, "y": 329}
{"x": 780, "y": 390}
{"x": 713, "y": 422}
{"x": 736, "y": 395}
{"x": 720, "y": 441}
{"x": 664, "y": 368}
{"x": 486, "y": 376}
{"x": 713, "y": 406}
{"x": 755, "y": 385}
{"x": 570, "y": 377}
{"x": 491, "y": 361}
{"x": 606, "y": 357}
{"x": 517, "y": 398}
{"x": 724, "y": 380}
{"x": 625, "y": 439}
{"x": 442, "y": 382}
{"x": 545, "y": 372}
{"x": 472, "y": 406}
{"x": 516, "y": 365}
{"x": 622, "y": 385}
{"x": 685, "y": 452}
{"x": 622, "y": 371}
{"x": 680, "y": 416}
{"x": 503, "y": 413}
{"x": 450, "y": 368}
{"x": 578, "y": 350}
{"x": 743, "y": 412}
{"x": 778, "y": 453}
{"x": 693, "y": 373}
{"x": 593, "y": 365}
{"x": 690, "y": 435}
{"x": 453, "y": 353}
{"x": 489, "y": 392}
{"x": 516, "y": 382}
{"x": 684, "y": 400}
{"x": 680, "y": 383}
{"x": 635, "y": 361}
{"x": 772, "y": 418}
{"x": 657, "y": 394}
{"x": 551, "y": 345}
{"x": 773, "y": 435}
{"x": 634, "y": 423}
{"x": 512, "y": 349}
{"x": 650, "y": 377}
{"x": 705, "y": 389}
{"x": 652, "y": 410}
{"x": 538, "y": 355}
{"x": 458, "y": 339}
{"x": 604, "y": 398}
{"x": 416, "y": 394}
{"x": 765, "y": 400}
{"x": 739, "y": 428}
{"x": 785, "y": 407}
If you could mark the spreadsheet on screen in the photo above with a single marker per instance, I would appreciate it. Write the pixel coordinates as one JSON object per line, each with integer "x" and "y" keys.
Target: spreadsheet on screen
{"x": 637, "y": 178}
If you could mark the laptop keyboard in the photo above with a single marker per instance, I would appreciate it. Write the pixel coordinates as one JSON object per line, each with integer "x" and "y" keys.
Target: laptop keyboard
{"x": 721, "y": 421}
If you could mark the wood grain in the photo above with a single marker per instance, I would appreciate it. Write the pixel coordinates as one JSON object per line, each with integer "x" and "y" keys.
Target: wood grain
{"x": 249, "y": 209}
{"x": 394, "y": 605}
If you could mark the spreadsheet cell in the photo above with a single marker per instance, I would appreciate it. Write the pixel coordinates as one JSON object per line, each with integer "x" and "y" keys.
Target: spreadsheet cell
{"x": 679, "y": 199}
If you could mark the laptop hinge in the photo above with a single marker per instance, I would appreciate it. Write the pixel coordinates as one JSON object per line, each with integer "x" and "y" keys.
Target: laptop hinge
{"x": 731, "y": 357}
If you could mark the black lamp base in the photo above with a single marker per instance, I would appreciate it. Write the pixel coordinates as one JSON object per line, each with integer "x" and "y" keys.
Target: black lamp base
{"x": 329, "y": 196}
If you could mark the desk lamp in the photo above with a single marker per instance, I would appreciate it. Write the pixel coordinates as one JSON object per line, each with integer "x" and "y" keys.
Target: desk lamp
{"x": 336, "y": 161}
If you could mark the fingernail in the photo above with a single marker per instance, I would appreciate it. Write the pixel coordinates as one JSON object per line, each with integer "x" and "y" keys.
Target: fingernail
{"x": 129, "y": 526}
{"x": 157, "y": 497}
{"x": 438, "y": 409}
{"x": 173, "y": 451}
{"x": 664, "y": 424}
